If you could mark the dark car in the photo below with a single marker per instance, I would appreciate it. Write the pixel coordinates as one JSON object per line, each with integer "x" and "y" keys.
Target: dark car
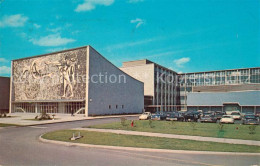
{"x": 158, "y": 116}
{"x": 175, "y": 117}
{"x": 208, "y": 118}
{"x": 250, "y": 120}
{"x": 219, "y": 114}
{"x": 192, "y": 116}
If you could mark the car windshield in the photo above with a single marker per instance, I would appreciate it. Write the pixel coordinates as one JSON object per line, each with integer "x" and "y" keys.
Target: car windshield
{"x": 250, "y": 117}
{"x": 226, "y": 117}
{"x": 235, "y": 113}
{"x": 146, "y": 113}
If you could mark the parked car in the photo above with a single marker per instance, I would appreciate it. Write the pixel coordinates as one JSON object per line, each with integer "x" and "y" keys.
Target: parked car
{"x": 227, "y": 119}
{"x": 158, "y": 116}
{"x": 192, "y": 116}
{"x": 175, "y": 117}
{"x": 229, "y": 112}
{"x": 145, "y": 116}
{"x": 236, "y": 115}
{"x": 219, "y": 114}
{"x": 250, "y": 120}
{"x": 208, "y": 118}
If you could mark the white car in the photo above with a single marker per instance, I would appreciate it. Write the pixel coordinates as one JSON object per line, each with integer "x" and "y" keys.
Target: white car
{"x": 227, "y": 119}
{"x": 145, "y": 116}
{"x": 236, "y": 115}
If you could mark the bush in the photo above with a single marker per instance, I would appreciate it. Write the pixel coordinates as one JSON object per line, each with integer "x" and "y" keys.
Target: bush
{"x": 43, "y": 116}
{"x": 252, "y": 129}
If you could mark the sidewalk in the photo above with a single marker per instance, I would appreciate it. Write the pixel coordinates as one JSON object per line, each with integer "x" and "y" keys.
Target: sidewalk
{"x": 27, "y": 119}
{"x": 186, "y": 137}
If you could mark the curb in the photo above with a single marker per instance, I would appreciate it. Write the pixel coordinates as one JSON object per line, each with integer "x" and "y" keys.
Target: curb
{"x": 94, "y": 118}
{"x": 143, "y": 149}
{"x": 175, "y": 136}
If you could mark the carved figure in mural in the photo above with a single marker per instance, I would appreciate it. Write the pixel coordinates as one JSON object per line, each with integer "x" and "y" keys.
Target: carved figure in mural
{"x": 36, "y": 70}
{"x": 67, "y": 73}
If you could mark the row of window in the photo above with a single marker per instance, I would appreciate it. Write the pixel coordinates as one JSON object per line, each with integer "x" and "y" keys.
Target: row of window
{"x": 117, "y": 106}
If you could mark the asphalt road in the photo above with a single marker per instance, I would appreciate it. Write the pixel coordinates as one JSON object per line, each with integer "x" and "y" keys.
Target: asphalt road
{"x": 20, "y": 146}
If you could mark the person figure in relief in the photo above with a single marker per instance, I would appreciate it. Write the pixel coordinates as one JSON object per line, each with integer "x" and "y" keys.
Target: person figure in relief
{"x": 67, "y": 72}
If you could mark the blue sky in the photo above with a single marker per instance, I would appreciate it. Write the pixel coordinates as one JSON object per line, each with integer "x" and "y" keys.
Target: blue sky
{"x": 184, "y": 35}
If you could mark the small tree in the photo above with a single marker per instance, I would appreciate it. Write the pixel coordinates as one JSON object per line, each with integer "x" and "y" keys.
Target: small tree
{"x": 173, "y": 123}
{"x": 123, "y": 121}
{"x": 220, "y": 127}
{"x": 151, "y": 123}
{"x": 193, "y": 125}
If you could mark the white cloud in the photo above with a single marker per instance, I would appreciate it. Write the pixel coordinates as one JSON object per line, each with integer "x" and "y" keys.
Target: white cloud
{"x": 135, "y": 1}
{"x": 3, "y": 60}
{"x": 37, "y": 26}
{"x": 52, "y": 40}
{"x": 17, "y": 20}
{"x": 54, "y": 30}
{"x": 91, "y": 4}
{"x": 180, "y": 62}
{"x": 138, "y": 22}
{"x": 5, "y": 70}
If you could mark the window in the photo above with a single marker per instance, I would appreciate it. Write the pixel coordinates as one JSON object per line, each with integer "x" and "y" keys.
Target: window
{"x": 122, "y": 106}
{"x": 116, "y": 106}
{"x": 109, "y": 106}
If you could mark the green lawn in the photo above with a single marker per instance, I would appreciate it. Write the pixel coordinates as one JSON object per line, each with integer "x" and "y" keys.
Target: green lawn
{"x": 235, "y": 131}
{"x": 6, "y": 125}
{"x": 98, "y": 138}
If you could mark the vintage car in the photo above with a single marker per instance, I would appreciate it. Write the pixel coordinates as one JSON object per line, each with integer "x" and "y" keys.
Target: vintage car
{"x": 236, "y": 115}
{"x": 227, "y": 119}
{"x": 145, "y": 116}
{"x": 250, "y": 120}
{"x": 192, "y": 116}
{"x": 175, "y": 116}
{"x": 208, "y": 118}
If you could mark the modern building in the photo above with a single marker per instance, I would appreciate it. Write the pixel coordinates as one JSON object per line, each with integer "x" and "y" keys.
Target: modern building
{"x": 5, "y": 94}
{"x": 161, "y": 88}
{"x": 166, "y": 90}
{"x": 236, "y": 89}
{"x": 78, "y": 80}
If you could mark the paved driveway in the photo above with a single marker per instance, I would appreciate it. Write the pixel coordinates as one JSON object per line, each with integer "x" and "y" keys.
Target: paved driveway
{"x": 20, "y": 146}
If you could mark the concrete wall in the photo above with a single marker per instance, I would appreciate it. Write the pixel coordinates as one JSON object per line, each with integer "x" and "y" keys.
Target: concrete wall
{"x": 103, "y": 97}
{"x": 4, "y": 94}
{"x": 247, "y": 98}
{"x": 55, "y": 76}
{"x": 143, "y": 73}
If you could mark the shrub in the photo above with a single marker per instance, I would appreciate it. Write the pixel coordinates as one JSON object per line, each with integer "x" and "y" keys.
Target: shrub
{"x": 252, "y": 129}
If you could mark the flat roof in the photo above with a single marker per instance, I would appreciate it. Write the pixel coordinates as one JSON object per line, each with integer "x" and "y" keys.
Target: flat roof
{"x": 51, "y": 53}
{"x": 220, "y": 70}
{"x": 147, "y": 63}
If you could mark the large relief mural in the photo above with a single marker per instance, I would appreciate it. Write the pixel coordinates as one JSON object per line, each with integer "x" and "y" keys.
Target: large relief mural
{"x": 51, "y": 77}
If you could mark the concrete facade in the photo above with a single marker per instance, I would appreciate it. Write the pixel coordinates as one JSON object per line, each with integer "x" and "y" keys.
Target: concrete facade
{"x": 69, "y": 82}
{"x": 190, "y": 88}
{"x": 160, "y": 84}
{"x": 5, "y": 94}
